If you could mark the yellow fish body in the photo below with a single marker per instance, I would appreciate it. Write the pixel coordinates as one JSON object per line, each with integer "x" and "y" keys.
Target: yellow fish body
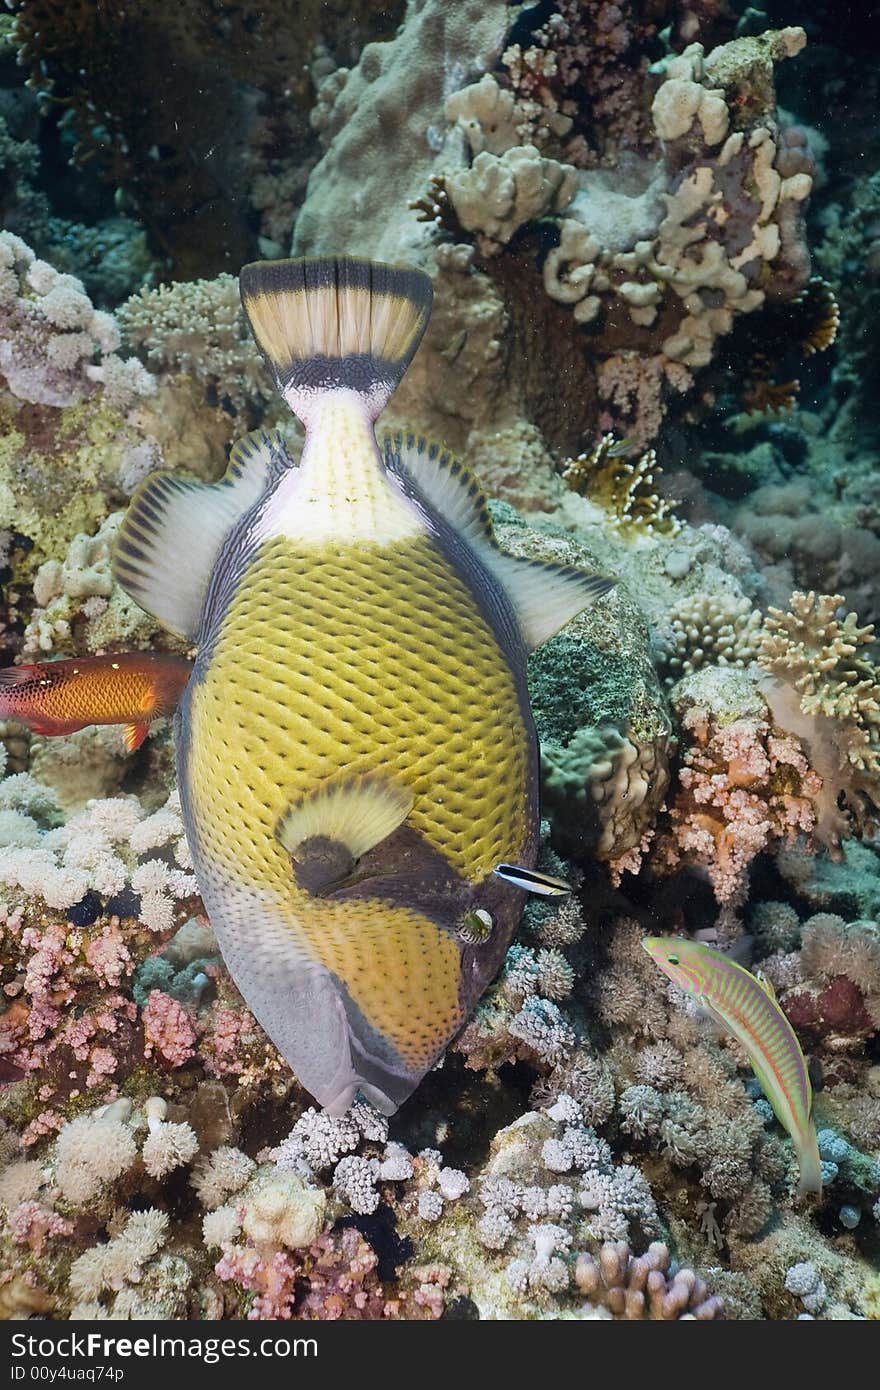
{"x": 356, "y": 753}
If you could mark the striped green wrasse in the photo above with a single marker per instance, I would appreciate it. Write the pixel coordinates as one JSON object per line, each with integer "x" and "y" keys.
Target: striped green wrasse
{"x": 747, "y": 1008}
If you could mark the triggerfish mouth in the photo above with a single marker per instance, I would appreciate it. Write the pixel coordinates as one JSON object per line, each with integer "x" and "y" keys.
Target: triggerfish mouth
{"x": 356, "y": 753}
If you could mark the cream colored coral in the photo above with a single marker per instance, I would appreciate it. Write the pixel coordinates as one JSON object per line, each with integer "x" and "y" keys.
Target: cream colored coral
{"x": 90, "y": 1152}
{"x": 709, "y": 629}
{"x": 817, "y": 652}
{"x": 495, "y": 196}
{"x": 220, "y": 1174}
{"x": 569, "y": 269}
{"x": 197, "y": 327}
{"x": 120, "y": 1261}
{"x": 279, "y": 1209}
{"x": 679, "y": 102}
{"x": 487, "y": 114}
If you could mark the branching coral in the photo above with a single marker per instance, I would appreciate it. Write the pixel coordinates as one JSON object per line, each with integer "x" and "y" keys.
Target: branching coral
{"x": 197, "y": 328}
{"x": 828, "y": 694}
{"x": 742, "y": 785}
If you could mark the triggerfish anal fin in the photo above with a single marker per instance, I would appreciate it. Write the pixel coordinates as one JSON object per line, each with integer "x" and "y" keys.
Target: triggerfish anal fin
{"x": 326, "y": 832}
{"x": 545, "y": 596}
{"x": 335, "y": 324}
{"x": 175, "y": 529}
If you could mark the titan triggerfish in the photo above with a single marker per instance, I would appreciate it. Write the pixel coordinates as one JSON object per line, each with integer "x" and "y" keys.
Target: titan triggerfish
{"x": 357, "y": 760}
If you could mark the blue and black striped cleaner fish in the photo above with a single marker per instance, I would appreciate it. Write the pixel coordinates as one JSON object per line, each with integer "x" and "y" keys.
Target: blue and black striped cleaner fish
{"x": 357, "y": 761}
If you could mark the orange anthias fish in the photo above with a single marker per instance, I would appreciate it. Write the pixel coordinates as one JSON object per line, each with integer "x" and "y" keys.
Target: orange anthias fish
{"x": 60, "y": 697}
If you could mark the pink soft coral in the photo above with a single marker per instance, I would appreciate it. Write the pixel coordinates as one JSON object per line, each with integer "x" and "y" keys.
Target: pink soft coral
{"x": 168, "y": 1029}
{"x": 741, "y": 787}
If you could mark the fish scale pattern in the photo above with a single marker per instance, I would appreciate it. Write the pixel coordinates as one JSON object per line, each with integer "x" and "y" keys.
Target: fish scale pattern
{"x": 349, "y": 659}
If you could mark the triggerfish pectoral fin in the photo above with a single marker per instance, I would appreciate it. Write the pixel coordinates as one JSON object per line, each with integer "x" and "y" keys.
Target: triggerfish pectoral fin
{"x": 326, "y": 832}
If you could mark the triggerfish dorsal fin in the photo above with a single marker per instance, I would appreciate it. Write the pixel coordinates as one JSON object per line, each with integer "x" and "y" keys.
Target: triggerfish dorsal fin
{"x": 447, "y": 483}
{"x": 175, "y": 528}
{"x": 545, "y": 595}
{"x": 335, "y": 323}
{"x": 326, "y": 832}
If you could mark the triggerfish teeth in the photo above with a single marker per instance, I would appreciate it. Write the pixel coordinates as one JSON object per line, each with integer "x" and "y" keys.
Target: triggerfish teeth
{"x": 746, "y": 1006}
{"x": 355, "y": 751}
{"x": 62, "y": 697}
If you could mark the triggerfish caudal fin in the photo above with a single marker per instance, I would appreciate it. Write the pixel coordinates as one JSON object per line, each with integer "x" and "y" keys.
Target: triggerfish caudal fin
{"x": 335, "y": 324}
{"x": 746, "y": 1008}
{"x": 61, "y": 697}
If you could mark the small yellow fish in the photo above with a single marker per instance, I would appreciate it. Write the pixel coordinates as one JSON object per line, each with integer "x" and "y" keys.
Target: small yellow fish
{"x": 356, "y": 752}
{"x": 61, "y": 697}
{"x": 746, "y": 1006}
